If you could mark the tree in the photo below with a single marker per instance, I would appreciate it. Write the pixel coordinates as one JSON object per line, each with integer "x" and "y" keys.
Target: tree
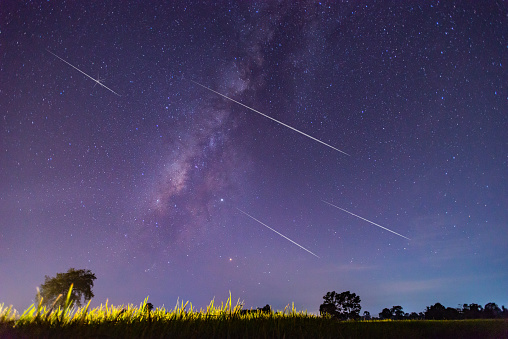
{"x": 327, "y": 309}
{"x": 436, "y": 312}
{"x": 504, "y": 312}
{"x": 491, "y": 311}
{"x": 452, "y": 313}
{"x": 472, "y": 311}
{"x": 82, "y": 281}
{"x": 414, "y": 316}
{"x": 266, "y": 309}
{"x": 385, "y": 314}
{"x": 397, "y": 312}
{"x": 345, "y": 305}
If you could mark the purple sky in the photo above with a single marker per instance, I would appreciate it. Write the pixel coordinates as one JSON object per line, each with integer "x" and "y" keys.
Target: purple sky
{"x": 145, "y": 188}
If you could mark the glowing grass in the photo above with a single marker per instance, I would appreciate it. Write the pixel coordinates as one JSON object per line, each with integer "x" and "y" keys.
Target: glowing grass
{"x": 224, "y": 321}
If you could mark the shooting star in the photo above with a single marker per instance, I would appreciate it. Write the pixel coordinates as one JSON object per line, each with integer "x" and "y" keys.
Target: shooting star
{"x": 250, "y": 216}
{"x": 269, "y": 117}
{"x": 97, "y": 81}
{"x": 373, "y": 223}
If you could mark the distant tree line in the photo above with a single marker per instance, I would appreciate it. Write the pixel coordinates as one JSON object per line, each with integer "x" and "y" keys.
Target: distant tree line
{"x": 267, "y": 309}
{"x": 439, "y": 312}
{"x": 346, "y": 306}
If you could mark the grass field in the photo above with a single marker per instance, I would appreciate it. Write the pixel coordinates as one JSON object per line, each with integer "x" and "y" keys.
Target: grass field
{"x": 224, "y": 321}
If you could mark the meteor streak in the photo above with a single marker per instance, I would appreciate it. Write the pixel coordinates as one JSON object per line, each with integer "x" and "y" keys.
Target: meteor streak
{"x": 373, "y": 223}
{"x": 277, "y": 232}
{"x": 266, "y": 116}
{"x": 97, "y": 81}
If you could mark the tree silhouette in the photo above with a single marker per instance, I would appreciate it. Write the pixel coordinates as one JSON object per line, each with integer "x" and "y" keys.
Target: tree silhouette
{"x": 436, "y": 312}
{"x": 149, "y": 308}
{"x": 266, "y": 309}
{"x": 345, "y": 305}
{"x": 414, "y": 316}
{"x": 328, "y": 309}
{"x": 82, "y": 281}
{"x": 397, "y": 312}
{"x": 452, "y": 313}
{"x": 385, "y": 314}
{"x": 472, "y": 311}
{"x": 504, "y": 312}
{"x": 491, "y": 310}
{"x": 440, "y": 312}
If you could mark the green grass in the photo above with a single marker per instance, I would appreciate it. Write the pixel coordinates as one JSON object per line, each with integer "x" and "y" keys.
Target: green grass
{"x": 221, "y": 321}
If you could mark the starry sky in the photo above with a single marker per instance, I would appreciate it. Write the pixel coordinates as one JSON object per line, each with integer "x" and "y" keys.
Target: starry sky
{"x": 144, "y": 182}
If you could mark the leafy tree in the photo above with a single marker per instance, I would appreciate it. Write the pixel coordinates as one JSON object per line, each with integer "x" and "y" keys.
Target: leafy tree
{"x": 436, "y": 312}
{"x": 439, "y": 312}
{"x": 266, "y": 309}
{"x": 366, "y": 315}
{"x": 385, "y": 314}
{"x": 414, "y": 316}
{"x": 472, "y": 311}
{"x": 345, "y": 305}
{"x": 452, "y": 313}
{"x": 504, "y": 312}
{"x": 397, "y": 312}
{"x": 491, "y": 311}
{"x": 327, "y": 309}
{"x": 82, "y": 281}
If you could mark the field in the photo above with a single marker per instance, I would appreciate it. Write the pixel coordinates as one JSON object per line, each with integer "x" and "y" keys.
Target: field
{"x": 224, "y": 321}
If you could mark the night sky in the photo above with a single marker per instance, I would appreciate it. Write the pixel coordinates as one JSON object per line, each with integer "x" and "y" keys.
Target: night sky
{"x": 146, "y": 188}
